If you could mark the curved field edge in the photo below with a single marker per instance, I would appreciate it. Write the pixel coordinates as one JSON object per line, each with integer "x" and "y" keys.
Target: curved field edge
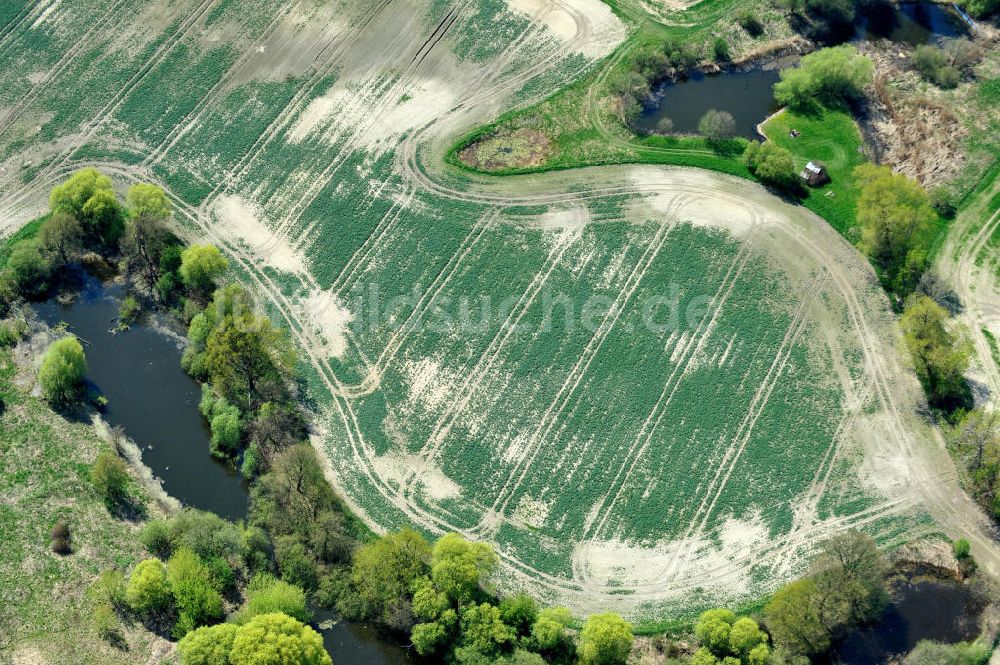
{"x": 327, "y": 196}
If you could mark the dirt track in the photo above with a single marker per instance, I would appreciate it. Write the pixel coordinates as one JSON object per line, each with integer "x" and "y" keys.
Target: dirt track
{"x": 906, "y": 457}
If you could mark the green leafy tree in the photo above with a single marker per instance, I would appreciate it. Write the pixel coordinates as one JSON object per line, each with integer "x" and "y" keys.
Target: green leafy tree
{"x": 717, "y": 125}
{"x": 208, "y": 645}
{"x": 384, "y": 571}
{"x": 484, "y": 630}
{"x": 227, "y": 431}
{"x": 109, "y": 474}
{"x": 295, "y": 562}
{"x": 61, "y": 236}
{"x": 940, "y": 355}
{"x": 983, "y": 8}
{"x": 200, "y": 266}
{"x": 850, "y": 572}
{"x": 62, "y": 371}
{"x": 771, "y": 163}
{"x": 713, "y": 627}
{"x": 833, "y": 77}
{"x": 277, "y": 639}
{"x": 266, "y": 595}
{"x": 606, "y": 639}
{"x": 248, "y": 359}
{"x": 794, "y": 620}
{"x": 148, "y": 591}
{"x": 28, "y": 269}
{"x": 142, "y": 246}
{"x": 198, "y": 602}
{"x": 148, "y": 200}
{"x": 548, "y": 633}
{"x": 428, "y": 603}
{"x": 896, "y": 219}
{"x": 519, "y": 612}
{"x": 87, "y": 196}
{"x": 428, "y": 637}
{"x": 459, "y": 567}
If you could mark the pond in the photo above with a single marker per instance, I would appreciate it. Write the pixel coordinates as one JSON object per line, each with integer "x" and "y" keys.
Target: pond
{"x": 151, "y": 398}
{"x": 156, "y": 403}
{"x": 912, "y": 23}
{"x": 743, "y": 93}
{"x": 922, "y": 609}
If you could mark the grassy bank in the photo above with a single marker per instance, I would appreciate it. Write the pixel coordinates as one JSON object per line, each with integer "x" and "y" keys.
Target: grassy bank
{"x": 45, "y": 614}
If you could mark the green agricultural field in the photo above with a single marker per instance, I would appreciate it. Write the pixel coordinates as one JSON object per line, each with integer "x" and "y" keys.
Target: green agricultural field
{"x": 654, "y": 389}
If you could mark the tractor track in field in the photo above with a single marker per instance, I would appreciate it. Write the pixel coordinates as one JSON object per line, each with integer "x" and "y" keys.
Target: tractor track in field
{"x": 934, "y": 485}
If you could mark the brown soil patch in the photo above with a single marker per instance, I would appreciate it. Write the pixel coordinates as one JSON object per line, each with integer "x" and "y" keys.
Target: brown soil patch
{"x": 523, "y": 148}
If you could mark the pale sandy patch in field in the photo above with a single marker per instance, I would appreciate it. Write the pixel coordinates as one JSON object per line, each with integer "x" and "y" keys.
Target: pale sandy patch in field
{"x": 602, "y": 28}
{"x": 48, "y": 15}
{"x": 700, "y": 210}
{"x": 397, "y": 467}
{"x": 532, "y": 512}
{"x": 241, "y": 219}
{"x": 329, "y": 319}
{"x": 430, "y": 384}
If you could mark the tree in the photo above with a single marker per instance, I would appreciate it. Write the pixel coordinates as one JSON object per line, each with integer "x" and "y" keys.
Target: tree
{"x": 771, "y": 163}
{"x": 148, "y": 200}
{"x": 277, "y": 639}
{"x": 110, "y": 477}
{"x": 200, "y": 266}
{"x": 198, "y": 602}
{"x": 793, "y": 618}
{"x": 484, "y": 630}
{"x": 606, "y": 639}
{"x": 142, "y": 247}
{"x": 88, "y": 197}
{"x": 717, "y": 125}
{"x": 209, "y": 645}
{"x": 849, "y": 574}
{"x": 713, "y": 628}
{"x": 940, "y": 356}
{"x": 459, "y": 566}
{"x": 895, "y": 218}
{"x": 227, "y": 430}
{"x": 61, "y": 236}
{"x": 28, "y": 269}
{"x": 548, "y": 633}
{"x": 294, "y": 493}
{"x": 384, "y": 571}
{"x": 62, "y": 371}
{"x": 148, "y": 591}
{"x": 266, "y": 595}
{"x": 977, "y": 437}
{"x": 295, "y": 563}
{"x": 428, "y": 637}
{"x": 103, "y": 219}
{"x": 833, "y": 77}
{"x": 248, "y": 360}
{"x": 519, "y": 612}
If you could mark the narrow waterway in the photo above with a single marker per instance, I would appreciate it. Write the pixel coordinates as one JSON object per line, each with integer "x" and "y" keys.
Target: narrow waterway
{"x": 156, "y": 403}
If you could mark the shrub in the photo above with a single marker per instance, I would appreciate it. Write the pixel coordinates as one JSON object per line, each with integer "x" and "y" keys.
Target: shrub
{"x": 227, "y": 431}
{"x": 128, "y": 312}
{"x": 197, "y": 600}
{"x": 749, "y": 22}
{"x": 716, "y": 125}
{"x": 933, "y": 65}
{"x": 106, "y": 623}
{"x": 961, "y": 548}
{"x": 29, "y": 269}
{"x": 276, "y": 639}
{"x": 110, "y": 477}
{"x": 720, "y": 49}
{"x": 62, "y": 371}
{"x": 148, "y": 591}
{"x": 266, "y": 595}
{"x": 204, "y": 533}
{"x": 62, "y": 541}
{"x": 109, "y": 589}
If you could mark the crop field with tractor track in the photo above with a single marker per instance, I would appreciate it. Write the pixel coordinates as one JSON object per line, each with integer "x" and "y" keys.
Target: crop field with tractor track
{"x": 653, "y": 388}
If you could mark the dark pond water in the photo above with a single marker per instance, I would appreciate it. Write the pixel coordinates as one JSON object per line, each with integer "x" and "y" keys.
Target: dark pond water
{"x": 156, "y": 403}
{"x": 151, "y": 397}
{"x": 912, "y": 23}
{"x": 744, "y": 94}
{"x": 925, "y": 609}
